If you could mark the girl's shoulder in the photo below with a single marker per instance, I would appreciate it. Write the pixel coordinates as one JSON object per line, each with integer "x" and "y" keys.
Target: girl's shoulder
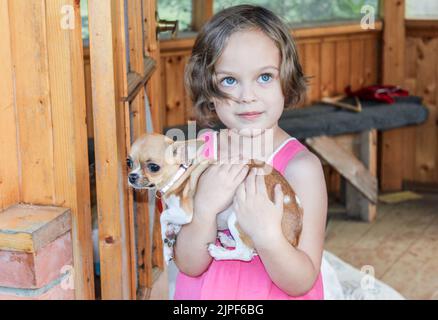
{"x": 304, "y": 165}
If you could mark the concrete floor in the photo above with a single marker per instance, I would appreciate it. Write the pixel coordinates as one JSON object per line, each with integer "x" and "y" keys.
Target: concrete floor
{"x": 401, "y": 245}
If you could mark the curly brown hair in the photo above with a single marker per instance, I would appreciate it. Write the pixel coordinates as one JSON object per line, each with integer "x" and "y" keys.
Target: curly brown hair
{"x": 199, "y": 76}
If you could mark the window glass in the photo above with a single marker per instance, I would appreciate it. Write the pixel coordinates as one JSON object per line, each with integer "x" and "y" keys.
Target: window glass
{"x": 308, "y": 11}
{"x": 180, "y": 10}
{"x": 84, "y": 18}
{"x": 426, "y": 9}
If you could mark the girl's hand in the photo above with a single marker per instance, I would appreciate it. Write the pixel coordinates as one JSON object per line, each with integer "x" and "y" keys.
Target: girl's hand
{"x": 256, "y": 214}
{"x": 217, "y": 186}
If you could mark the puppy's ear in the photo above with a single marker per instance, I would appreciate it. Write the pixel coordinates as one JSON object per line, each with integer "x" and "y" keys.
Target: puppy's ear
{"x": 184, "y": 152}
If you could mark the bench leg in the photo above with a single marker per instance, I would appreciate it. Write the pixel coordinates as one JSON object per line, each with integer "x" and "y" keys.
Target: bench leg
{"x": 357, "y": 205}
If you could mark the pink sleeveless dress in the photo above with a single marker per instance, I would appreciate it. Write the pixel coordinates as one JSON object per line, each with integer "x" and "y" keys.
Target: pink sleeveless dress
{"x": 240, "y": 280}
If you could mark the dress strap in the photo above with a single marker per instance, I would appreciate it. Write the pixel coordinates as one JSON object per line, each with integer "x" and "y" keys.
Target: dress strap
{"x": 286, "y": 153}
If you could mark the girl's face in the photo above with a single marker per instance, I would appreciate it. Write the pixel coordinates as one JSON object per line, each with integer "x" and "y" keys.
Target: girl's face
{"x": 248, "y": 70}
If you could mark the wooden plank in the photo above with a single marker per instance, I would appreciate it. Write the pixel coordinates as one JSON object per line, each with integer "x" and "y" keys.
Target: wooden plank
{"x": 328, "y": 70}
{"x": 337, "y": 29}
{"x": 9, "y": 187}
{"x": 157, "y": 252}
{"x": 28, "y": 228}
{"x": 371, "y": 60}
{"x": 357, "y": 64}
{"x": 89, "y": 103}
{"x": 137, "y": 126}
{"x": 154, "y": 94}
{"x": 421, "y": 28}
{"x": 106, "y": 23}
{"x": 137, "y": 81}
{"x": 393, "y": 61}
{"x": 312, "y": 69}
{"x": 426, "y": 143}
{"x": 35, "y": 132}
{"x": 135, "y": 108}
{"x": 342, "y": 66}
{"x": 70, "y": 154}
{"x": 347, "y": 164}
{"x": 188, "y": 105}
{"x": 174, "y": 69}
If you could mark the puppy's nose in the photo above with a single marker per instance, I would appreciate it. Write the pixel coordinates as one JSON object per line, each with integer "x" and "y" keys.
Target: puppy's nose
{"x": 133, "y": 177}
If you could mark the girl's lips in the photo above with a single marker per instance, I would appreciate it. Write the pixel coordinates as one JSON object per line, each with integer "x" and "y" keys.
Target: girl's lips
{"x": 250, "y": 115}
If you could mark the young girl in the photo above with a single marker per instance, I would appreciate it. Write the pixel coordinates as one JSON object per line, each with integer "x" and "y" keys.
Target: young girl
{"x": 243, "y": 71}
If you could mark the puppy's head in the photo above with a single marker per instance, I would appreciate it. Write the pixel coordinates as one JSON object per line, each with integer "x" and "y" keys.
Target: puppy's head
{"x": 154, "y": 159}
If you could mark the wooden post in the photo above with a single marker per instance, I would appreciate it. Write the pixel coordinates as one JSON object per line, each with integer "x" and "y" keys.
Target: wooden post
{"x": 202, "y": 10}
{"x": 136, "y": 108}
{"x": 152, "y": 49}
{"x": 109, "y": 86}
{"x": 357, "y": 205}
{"x": 393, "y": 73}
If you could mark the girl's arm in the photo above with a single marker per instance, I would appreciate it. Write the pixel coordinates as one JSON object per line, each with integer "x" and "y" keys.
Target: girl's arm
{"x": 214, "y": 193}
{"x": 191, "y": 254}
{"x": 295, "y": 270}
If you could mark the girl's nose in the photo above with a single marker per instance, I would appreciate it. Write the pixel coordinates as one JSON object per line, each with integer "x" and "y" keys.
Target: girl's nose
{"x": 247, "y": 95}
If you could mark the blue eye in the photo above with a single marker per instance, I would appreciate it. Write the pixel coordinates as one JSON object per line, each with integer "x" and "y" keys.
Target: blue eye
{"x": 228, "y": 81}
{"x": 265, "y": 78}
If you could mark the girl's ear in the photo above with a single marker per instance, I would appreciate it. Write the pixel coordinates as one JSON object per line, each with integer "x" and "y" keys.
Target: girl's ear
{"x": 184, "y": 152}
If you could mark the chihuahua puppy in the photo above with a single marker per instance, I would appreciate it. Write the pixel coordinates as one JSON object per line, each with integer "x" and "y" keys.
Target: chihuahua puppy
{"x": 173, "y": 168}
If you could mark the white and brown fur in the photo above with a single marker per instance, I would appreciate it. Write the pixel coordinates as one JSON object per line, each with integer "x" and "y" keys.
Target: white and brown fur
{"x": 151, "y": 148}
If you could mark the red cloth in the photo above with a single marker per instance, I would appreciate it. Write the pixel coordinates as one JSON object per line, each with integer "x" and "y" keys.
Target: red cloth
{"x": 379, "y": 93}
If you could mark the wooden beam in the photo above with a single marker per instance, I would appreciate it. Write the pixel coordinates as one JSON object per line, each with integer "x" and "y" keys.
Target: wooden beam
{"x": 347, "y": 164}
{"x": 393, "y": 65}
{"x": 335, "y": 29}
{"x": 300, "y": 34}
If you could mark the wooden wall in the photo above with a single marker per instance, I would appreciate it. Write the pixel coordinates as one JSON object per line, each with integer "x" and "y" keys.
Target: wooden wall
{"x": 334, "y": 56}
{"x": 420, "y": 162}
{"x": 43, "y": 157}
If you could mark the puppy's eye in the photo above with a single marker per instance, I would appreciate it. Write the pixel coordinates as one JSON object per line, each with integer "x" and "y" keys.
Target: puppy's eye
{"x": 129, "y": 163}
{"x": 153, "y": 167}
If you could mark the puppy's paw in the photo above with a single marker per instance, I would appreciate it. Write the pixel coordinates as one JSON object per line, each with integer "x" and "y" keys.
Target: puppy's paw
{"x": 219, "y": 253}
{"x": 167, "y": 254}
{"x": 226, "y": 240}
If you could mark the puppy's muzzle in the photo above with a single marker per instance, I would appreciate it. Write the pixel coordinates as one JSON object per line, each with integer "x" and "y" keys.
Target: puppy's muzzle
{"x": 137, "y": 182}
{"x": 133, "y": 178}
